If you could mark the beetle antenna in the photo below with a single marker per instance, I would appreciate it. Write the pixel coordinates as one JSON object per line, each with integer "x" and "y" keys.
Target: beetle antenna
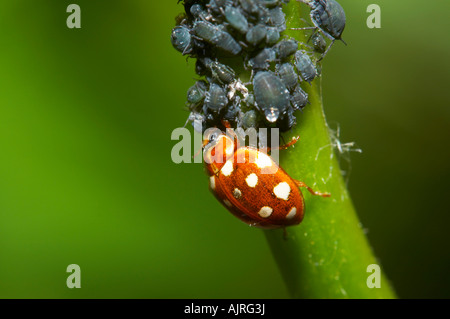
{"x": 198, "y": 152}
{"x": 200, "y": 149}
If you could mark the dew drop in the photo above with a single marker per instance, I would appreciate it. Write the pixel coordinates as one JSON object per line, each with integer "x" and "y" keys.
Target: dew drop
{"x": 272, "y": 114}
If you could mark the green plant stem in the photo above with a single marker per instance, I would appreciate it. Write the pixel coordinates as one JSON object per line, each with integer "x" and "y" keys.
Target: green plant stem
{"x": 327, "y": 255}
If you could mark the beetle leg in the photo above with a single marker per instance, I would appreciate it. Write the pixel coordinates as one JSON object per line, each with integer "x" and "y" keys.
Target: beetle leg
{"x": 285, "y": 234}
{"x": 301, "y": 184}
{"x": 231, "y": 133}
{"x": 281, "y": 147}
{"x": 292, "y": 142}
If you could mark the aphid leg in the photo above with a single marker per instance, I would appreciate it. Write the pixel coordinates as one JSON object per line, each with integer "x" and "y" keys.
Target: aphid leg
{"x": 250, "y": 82}
{"x": 304, "y": 1}
{"x": 242, "y": 43}
{"x": 309, "y": 39}
{"x": 303, "y": 28}
{"x": 197, "y": 38}
{"x": 326, "y": 51}
{"x": 322, "y": 2}
{"x": 306, "y": 21}
{"x": 186, "y": 50}
{"x": 301, "y": 184}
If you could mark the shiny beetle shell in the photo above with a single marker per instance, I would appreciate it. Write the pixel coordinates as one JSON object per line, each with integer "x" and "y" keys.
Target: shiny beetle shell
{"x": 241, "y": 183}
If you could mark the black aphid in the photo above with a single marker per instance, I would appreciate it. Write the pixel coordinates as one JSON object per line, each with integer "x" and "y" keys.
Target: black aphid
{"x": 328, "y": 16}
{"x": 228, "y": 35}
{"x": 181, "y": 39}
{"x": 216, "y": 98}
{"x": 271, "y": 95}
{"x": 305, "y": 66}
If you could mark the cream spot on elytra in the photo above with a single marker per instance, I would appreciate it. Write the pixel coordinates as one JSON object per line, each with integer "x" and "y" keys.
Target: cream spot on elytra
{"x": 265, "y": 211}
{"x": 212, "y": 182}
{"x": 227, "y": 202}
{"x": 227, "y": 169}
{"x": 263, "y": 160}
{"x": 252, "y": 180}
{"x": 237, "y": 193}
{"x": 282, "y": 190}
{"x": 291, "y": 213}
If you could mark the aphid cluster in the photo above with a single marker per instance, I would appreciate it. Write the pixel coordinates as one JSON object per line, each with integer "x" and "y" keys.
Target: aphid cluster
{"x": 244, "y": 35}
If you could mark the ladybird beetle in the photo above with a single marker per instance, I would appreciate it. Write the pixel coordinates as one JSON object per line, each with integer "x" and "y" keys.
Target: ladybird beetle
{"x": 251, "y": 185}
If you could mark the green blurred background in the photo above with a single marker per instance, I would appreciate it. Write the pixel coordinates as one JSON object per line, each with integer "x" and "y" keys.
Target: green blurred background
{"x": 86, "y": 176}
